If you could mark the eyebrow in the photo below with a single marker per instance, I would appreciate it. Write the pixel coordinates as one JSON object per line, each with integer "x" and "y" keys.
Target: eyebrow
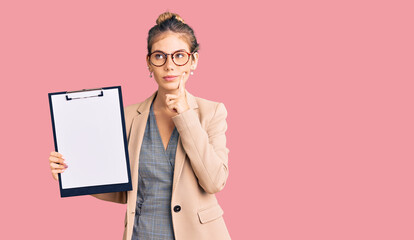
{"x": 173, "y": 51}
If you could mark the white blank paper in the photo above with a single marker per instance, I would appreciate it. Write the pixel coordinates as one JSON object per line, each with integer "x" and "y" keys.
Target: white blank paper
{"x": 89, "y": 135}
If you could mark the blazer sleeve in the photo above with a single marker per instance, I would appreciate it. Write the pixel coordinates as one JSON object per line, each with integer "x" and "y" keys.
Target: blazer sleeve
{"x": 206, "y": 149}
{"x": 117, "y": 197}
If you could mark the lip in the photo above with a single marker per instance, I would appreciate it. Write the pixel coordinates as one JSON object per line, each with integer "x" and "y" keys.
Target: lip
{"x": 170, "y": 77}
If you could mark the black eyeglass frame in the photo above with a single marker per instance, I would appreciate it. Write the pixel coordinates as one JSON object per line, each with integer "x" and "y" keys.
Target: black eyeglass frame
{"x": 166, "y": 56}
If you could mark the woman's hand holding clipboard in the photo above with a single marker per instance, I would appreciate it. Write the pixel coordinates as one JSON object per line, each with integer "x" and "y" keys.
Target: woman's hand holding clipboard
{"x": 57, "y": 164}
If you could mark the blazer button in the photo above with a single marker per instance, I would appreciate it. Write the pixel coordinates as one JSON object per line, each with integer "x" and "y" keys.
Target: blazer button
{"x": 177, "y": 208}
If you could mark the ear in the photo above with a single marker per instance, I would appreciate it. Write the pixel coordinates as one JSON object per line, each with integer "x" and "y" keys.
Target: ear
{"x": 148, "y": 64}
{"x": 194, "y": 61}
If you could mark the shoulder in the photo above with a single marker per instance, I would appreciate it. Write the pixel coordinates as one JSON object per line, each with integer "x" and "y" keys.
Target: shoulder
{"x": 132, "y": 107}
{"x": 210, "y": 108}
{"x": 131, "y": 110}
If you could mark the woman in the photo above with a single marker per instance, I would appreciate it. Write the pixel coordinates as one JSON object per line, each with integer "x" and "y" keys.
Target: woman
{"x": 179, "y": 143}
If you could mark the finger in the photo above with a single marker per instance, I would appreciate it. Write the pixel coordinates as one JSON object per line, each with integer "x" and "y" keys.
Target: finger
{"x": 57, "y": 160}
{"x": 58, "y": 170}
{"x": 169, "y": 97}
{"x": 171, "y": 103}
{"x": 55, "y": 176}
{"x": 56, "y": 154}
{"x": 58, "y": 166}
{"x": 179, "y": 83}
{"x": 181, "y": 87}
{"x": 172, "y": 106}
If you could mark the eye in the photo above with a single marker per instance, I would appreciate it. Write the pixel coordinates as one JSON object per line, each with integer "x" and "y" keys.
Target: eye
{"x": 179, "y": 55}
{"x": 158, "y": 56}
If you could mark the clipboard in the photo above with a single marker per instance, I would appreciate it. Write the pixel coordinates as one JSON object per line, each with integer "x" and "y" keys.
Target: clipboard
{"x": 89, "y": 131}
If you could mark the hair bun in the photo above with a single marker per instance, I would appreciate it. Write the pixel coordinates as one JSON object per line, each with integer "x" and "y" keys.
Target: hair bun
{"x": 167, "y": 15}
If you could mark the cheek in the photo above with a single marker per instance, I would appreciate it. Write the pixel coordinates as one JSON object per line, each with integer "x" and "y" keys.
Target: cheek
{"x": 187, "y": 70}
{"x": 157, "y": 73}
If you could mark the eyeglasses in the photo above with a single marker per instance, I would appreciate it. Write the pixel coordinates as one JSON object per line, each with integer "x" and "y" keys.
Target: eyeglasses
{"x": 159, "y": 58}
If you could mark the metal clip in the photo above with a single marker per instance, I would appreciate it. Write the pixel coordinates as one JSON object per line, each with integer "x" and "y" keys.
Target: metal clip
{"x": 84, "y": 90}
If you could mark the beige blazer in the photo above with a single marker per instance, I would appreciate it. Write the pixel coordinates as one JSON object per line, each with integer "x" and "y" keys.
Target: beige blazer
{"x": 201, "y": 168}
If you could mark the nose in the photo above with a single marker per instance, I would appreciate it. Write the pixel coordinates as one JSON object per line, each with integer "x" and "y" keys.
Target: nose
{"x": 169, "y": 64}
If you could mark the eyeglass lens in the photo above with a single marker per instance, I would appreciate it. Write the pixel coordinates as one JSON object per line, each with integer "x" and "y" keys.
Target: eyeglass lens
{"x": 159, "y": 58}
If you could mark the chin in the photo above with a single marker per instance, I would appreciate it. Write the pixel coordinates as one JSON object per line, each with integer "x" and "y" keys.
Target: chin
{"x": 170, "y": 86}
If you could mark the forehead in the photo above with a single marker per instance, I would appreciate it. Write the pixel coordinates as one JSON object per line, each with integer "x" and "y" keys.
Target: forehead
{"x": 170, "y": 42}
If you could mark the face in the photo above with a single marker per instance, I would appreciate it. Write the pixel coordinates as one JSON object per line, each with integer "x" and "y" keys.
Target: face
{"x": 169, "y": 43}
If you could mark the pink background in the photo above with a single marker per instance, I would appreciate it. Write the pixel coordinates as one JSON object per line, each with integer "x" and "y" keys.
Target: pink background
{"x": 319, "y": 96}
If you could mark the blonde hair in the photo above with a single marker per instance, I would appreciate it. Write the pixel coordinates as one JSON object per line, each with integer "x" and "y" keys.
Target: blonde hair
{"x": 167, "y": 15}
{"x": 172, "y": 22}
